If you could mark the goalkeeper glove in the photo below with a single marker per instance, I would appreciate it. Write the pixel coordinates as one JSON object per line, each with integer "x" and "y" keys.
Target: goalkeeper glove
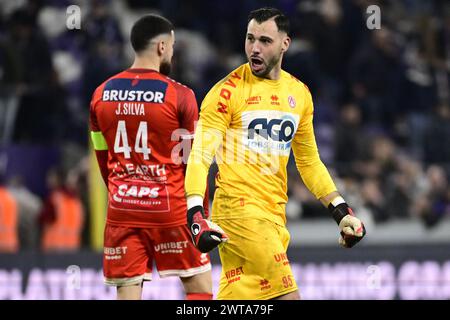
{"x": 352, "y": 229}
{"x": 206, "y": 235}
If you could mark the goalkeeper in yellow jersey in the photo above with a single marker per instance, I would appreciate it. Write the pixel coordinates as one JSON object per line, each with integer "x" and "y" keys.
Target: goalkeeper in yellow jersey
{"x": 250, "y": 121}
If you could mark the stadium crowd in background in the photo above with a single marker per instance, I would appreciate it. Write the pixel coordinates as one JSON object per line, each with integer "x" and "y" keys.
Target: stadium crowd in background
{"x": 382, "y": 97}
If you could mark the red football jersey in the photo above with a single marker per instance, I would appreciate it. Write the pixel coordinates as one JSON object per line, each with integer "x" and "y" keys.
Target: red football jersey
{"x": 141, "y": 117}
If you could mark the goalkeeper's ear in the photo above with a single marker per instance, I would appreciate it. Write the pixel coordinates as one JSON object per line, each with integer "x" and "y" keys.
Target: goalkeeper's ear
{"x": 286, "y": 41}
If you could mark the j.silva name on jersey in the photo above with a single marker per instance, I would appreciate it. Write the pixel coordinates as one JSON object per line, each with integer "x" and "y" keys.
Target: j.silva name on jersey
{"x": 130, "y": 109}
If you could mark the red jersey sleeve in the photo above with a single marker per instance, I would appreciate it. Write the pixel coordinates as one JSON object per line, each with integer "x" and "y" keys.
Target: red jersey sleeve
{"x": 96, "y": 97}
{"x": 187, "y": 109}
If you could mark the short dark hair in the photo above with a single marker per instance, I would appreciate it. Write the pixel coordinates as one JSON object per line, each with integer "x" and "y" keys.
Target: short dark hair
{"x": 266, "y": 13}
{"x": 146, "y": 28}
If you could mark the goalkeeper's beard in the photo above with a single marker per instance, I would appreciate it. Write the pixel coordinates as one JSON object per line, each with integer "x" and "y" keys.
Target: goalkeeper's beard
{"x": 165, "y": 67}
{"x": 268, "y": 68}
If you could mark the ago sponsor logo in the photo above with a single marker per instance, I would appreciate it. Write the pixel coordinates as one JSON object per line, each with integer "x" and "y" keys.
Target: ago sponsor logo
{"x": 269, "y": 131}
{"x": 234, "y": 275}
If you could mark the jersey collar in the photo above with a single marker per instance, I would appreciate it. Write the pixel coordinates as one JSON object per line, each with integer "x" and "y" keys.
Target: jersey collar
{"x": 140, "y": 70}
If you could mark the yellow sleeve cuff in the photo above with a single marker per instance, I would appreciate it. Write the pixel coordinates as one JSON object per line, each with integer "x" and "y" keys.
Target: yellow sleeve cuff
{"x": 98, "y": 140}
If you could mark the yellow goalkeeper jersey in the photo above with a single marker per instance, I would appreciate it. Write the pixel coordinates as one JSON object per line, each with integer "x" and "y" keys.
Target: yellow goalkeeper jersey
{"x": 250, "y": 125}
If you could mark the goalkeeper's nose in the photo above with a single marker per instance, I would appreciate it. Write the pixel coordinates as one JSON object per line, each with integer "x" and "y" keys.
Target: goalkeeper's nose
{"x": 255, "y": 49}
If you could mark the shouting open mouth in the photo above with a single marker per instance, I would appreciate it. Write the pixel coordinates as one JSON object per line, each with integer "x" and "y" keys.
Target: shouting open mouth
{"x": 256, "y": 63}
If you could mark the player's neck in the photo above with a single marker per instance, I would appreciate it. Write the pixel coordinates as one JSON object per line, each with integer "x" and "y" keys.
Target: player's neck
{"x": 274, "y": 74}
{"x": 145, "y": 63}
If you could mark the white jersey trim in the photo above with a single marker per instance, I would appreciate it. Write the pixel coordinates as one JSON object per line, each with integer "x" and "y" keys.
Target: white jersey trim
{"x": 125, "y": 281}
{"x": 185, "y": 273}
{"x": 148, "y": 276}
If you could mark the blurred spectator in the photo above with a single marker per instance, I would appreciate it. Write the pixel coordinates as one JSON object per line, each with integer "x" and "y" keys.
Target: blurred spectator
{"x": 302, "y": 59}
{"x": 192, "y": 48}
{"x": 328, "y": 30}
{"x": 62, "y": 217}
{"x": 374, "y": 200}
{"x": 402, "y": 186}
{"x": 375, "y": 69}
{"x": 103, "y": 42}
{"x": 9, "y": 242}
{"x": 9, "y": 68}
{"x": 436, "y": 144}
{"x": 9, "y": 78}
{"x": 350, "y": 141}
{"x": 28, "y": 205}
{"x": 372, "y": 180}
{"x": 380, "y": 162}
{"x": 434, "y": 203}
{"x": 41, "y": 103}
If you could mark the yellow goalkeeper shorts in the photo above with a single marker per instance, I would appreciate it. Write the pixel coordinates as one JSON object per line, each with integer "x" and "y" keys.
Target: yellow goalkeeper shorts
{"x": 254, "y": 261}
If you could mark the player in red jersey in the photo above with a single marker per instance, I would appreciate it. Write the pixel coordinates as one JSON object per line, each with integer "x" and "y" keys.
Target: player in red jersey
{"x": 138, "y": 118}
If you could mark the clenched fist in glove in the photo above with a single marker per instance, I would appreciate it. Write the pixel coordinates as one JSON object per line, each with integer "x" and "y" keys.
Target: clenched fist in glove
{"x": 352, "y": 229}
{"x": 206, "y": 235}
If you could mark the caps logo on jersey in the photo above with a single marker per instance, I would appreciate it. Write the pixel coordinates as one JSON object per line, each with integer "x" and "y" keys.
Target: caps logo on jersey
{"x": 139, "y": 196}
{"x": 144, "y": 90}
{"x": 132, "y": 191}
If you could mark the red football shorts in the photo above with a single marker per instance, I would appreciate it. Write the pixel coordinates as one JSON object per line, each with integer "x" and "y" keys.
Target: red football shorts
{"x": 129, "y": 254}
